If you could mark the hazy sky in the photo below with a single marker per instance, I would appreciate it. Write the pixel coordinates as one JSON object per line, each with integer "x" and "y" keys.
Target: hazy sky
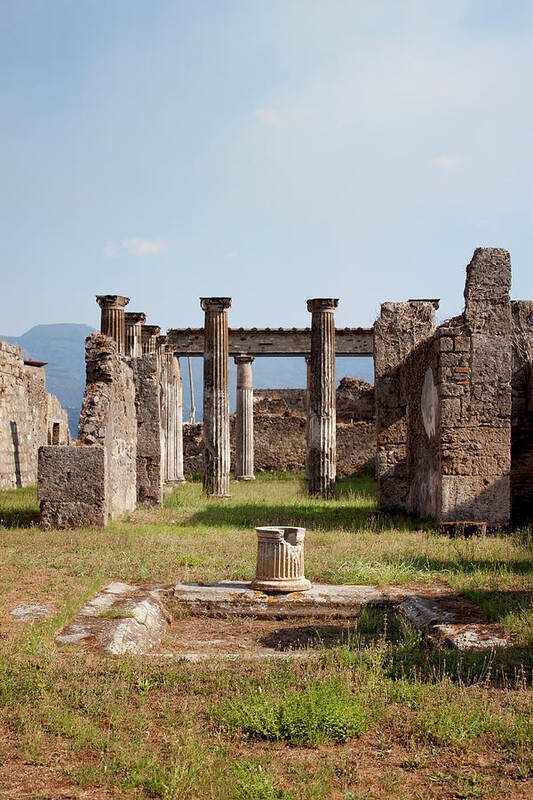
{"x": 270, "y": 150}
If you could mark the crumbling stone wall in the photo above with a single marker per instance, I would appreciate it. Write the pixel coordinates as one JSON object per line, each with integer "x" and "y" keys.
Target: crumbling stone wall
{"x": 146, "y": 370}
{"x": 49, "y": 420}
{"x": 73, "y": 486}
{"x": 108, "y": 418}
{"x": 283, "y": 402}
{"x": 105, "y": 460}
{"x": 29, "y": 418}
{"x": 450, "y": 414}
{"x": 522, "y": 411}
{"x": 399, "y": 329}
{"x": 355, "y": 400}
{"x": 279, "y": 432}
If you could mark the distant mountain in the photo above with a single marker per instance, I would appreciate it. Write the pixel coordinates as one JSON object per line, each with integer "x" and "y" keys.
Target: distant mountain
{"x": 63, "y": 347}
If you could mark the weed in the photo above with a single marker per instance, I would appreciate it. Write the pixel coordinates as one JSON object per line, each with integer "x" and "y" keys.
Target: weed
{"x": 322, "y": 711}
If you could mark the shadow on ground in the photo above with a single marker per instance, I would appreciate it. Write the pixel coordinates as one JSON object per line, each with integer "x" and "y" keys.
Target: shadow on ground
{"x": 18, "y": 518}
{"x": 335, "y": 516}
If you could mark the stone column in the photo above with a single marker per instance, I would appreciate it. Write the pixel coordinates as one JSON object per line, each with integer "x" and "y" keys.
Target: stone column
{"x": 150, "y": 335}
{"x": 244, "y": 427}
{"x": 322, "y": 418}
{"x": 174, "y": 421}
{"x": 112, "y": 323}
{"x": 216, "y": 396}
{"x": 307, "y": 394}
{"x": 134, "y": 320}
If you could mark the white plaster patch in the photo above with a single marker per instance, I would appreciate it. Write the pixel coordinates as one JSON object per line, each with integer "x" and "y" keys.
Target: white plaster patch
{"x": 429, "y": 403}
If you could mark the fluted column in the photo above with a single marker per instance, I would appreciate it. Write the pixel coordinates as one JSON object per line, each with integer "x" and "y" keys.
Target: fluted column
{"x": 134, "y": 320}
{"x": 280, "y": 560}
{"x": 150, "y": 335}
{"x": 322, "y": 417}
{"x": 244, "y": 427}
{"x": 307, "y": 394}
{"x": 175, "y": 429}
{"x": 112, "y": 321}
{"x": 216, "y": 396}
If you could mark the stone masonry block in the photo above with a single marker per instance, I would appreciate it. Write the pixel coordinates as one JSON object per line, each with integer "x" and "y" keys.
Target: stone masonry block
{"x": 475, "y": 498}
{"x": 445, "y": 344}
{"x": 72, "y": 486}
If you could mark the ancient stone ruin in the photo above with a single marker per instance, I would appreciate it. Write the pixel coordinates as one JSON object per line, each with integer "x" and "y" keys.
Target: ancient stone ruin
{"x": 453, "y": 403}
{"x": 280, "y": 560}
{"x": 29, "y": 417}
{"x": 129, "y": 441}
{"x": 279, "y": 428}
{"x": 453, "y": 407}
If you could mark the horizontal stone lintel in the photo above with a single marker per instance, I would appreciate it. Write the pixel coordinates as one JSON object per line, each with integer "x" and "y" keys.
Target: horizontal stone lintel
{"x": 281, "y": 342}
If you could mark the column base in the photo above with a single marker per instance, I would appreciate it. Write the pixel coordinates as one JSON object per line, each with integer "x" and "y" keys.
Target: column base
{"x": 245, "y": 477}
{"x": 284, "y": 585}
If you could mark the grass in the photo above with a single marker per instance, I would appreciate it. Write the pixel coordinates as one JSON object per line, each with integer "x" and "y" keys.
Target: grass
{"x": 379, "y": 715}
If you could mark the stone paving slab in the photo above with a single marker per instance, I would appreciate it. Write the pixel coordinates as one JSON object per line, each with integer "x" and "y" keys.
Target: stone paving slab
{"x": 29, "y": 611}
{"x": 237, "y": 598}
{"x": 454, "y": 621}
{"x": 125, "y": 618}
{"x": 120, "y": 619}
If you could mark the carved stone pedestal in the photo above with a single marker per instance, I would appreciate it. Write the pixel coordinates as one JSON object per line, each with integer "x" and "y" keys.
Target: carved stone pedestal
{"x": 280, "y": 560}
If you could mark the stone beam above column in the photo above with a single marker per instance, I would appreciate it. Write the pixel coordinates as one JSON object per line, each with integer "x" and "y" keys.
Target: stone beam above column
{"x": 273, "y": 341}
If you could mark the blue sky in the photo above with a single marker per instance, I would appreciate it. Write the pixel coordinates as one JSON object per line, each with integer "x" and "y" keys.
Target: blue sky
{"x": 270, "y": 150}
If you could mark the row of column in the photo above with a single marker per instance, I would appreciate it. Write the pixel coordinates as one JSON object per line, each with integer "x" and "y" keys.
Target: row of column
{"x": 135, "y": 338}
{"x": 128, "y": 329}
{"x": 321, "y": 452}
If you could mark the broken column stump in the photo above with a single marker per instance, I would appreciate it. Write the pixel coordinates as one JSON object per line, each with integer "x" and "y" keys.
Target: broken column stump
{"x": 280, "y": 560}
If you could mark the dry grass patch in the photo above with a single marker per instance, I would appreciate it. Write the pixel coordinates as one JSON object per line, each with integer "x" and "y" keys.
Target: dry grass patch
{"x": 373, "y": 715}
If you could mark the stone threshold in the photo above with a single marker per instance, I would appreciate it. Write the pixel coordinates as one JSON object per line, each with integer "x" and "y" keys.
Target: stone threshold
{"x": 124, "y": 618}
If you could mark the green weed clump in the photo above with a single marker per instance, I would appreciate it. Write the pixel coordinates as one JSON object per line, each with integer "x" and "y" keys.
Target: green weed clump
{"x": 321, "y": 712}
{"x": 452, "y": 724}
{"x": 252, "y": 782}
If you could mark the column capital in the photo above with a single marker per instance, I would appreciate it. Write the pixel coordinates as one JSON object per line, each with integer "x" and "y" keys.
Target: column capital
{"x": 112, "y": 300}
{"x": 242, "y": 358}
{"x": 134, "y": 318}
{"x": 215, "y": 303}
{"x": 151, "y": 330}
{"x": 323, "y": 304}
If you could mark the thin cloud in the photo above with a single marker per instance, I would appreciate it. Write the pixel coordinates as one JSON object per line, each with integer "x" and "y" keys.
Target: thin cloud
{"x": 230, "y": 256}
{"x": 447, "y": 162}
{"x": 136, "y": 246}
{"x": 144, "y": 247}
{"x": 268, "y": 117}
{"x": 111, "y": 250}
